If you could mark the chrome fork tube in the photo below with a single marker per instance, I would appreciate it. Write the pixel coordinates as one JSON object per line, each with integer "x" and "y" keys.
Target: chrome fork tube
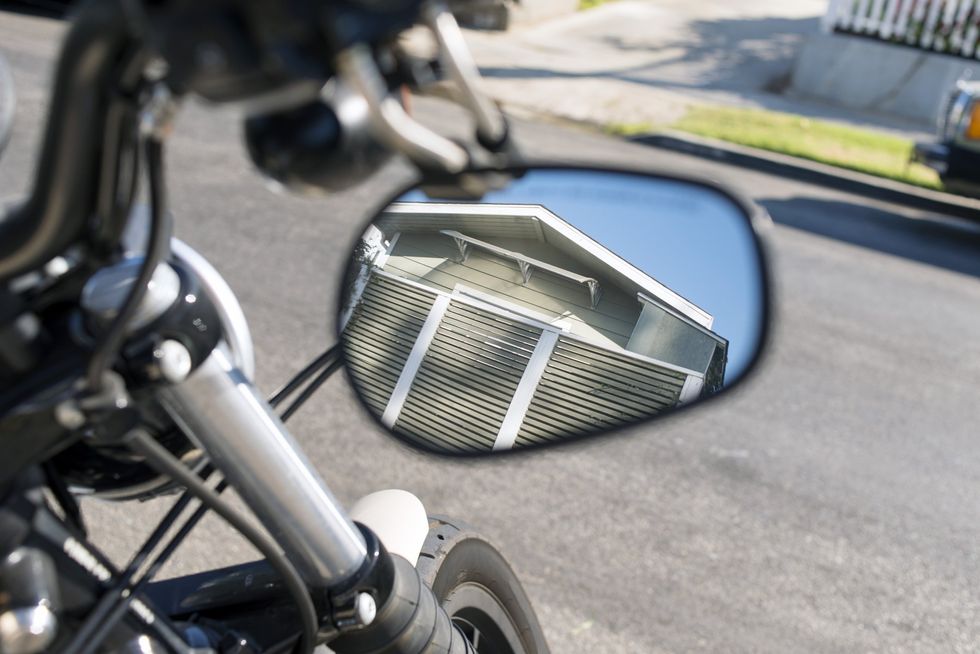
{"x": 219, "y": 407}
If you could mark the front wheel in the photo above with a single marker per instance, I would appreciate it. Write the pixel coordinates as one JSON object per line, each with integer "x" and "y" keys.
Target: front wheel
{"x": 479, "y": 590}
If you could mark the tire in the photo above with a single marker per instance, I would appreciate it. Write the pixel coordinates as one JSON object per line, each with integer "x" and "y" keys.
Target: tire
{"x": 479, "y": 590}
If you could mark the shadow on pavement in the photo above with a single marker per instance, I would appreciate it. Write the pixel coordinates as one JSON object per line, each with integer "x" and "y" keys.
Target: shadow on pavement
{"x": 953, "y": 246}
{"x": 740, "y": 55}
{"x": 40, "y": 8}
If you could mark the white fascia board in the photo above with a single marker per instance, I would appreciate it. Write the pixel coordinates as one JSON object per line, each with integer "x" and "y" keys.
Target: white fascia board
{"x": 521, "y": 402}
{"x": 398, "y": 209}
{"x": 407, "y": 377}
{"x": 691, "y": 390}
{"x": 650, "y": 286}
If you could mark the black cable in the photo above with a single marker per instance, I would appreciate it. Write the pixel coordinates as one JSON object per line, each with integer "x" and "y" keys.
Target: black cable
{"x": 115, "y": 602}
{"x": 118, "y": 604}
{"x": 331, "y": 368}
{"x": 304, "y": 374}
{"x": 67, "y": 501}
{"x": 166, "y": 463}
{"x": 177, "y": 539}
{"x": 109, "y": 341}
{"x": 98, "y": 623}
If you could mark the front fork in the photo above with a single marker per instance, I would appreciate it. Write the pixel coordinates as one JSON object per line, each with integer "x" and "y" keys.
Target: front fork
{"x": 375, "y": 598}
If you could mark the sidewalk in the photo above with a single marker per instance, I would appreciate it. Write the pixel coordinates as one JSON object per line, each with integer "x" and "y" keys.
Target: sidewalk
{"x": 643, "y": 62}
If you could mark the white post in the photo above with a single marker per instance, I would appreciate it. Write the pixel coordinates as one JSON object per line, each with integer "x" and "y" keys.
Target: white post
{"x": 918, "y": 16}
{"x": 902, "y": 20}
{"x": 959, "y": 31}
{"x": 829, "y": 21}
{"x": 946, "y": 26}
{"x": 889, "y": 20}
{"x": 931, "y": 25}
{"x": 861, "y": 15}
{"x": 875, "y": 22}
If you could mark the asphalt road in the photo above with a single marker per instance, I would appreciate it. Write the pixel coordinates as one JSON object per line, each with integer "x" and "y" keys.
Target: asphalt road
{"x": 829, "y": 505}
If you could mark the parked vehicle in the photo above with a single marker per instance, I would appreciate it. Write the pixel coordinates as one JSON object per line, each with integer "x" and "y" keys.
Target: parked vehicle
{"x": 955, "y": 154}
{"x": 126, "y": 363}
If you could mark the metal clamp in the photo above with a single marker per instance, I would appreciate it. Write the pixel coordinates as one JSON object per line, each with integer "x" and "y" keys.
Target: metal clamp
{"x": 158, "y": 113}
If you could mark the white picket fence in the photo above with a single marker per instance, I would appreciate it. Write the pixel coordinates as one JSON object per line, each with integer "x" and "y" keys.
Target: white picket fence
{"x": 947, "y": 26}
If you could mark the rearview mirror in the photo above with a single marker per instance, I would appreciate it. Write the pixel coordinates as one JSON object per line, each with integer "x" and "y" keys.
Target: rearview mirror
{"x": 570, "y": 303}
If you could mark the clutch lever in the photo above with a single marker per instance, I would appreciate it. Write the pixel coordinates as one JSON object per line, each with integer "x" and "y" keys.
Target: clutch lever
{"x": 391, "y": 124}
{"x": 399, "y": 131}
{"x": 456, "y": 59}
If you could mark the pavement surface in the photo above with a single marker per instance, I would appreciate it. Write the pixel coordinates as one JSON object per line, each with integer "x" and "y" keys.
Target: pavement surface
{"x": 830, "y": 504}
{"x": 643, "y": 62}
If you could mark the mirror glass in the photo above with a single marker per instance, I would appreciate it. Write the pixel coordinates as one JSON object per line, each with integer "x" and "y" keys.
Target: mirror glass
{"x": 569, "y": 303}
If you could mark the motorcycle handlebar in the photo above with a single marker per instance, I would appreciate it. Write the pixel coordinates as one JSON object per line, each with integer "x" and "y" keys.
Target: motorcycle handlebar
{"x": 410, "y": 622}
{"x": 82, "y": 118}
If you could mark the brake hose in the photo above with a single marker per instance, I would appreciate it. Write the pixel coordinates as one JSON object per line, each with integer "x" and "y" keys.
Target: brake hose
{"x": 166, "y": 463}
{"x": 109, "y": 341}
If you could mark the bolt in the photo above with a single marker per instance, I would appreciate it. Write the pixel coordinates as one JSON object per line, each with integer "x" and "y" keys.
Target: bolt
{"x": 173, "y": 361}
{"x": 211, "y": 58}
{"x": 69, "y": 415}
{"x": 365, "y": 609}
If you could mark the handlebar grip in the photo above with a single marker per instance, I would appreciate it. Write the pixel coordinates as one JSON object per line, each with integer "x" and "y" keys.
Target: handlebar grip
{"x": 410, "y": 622}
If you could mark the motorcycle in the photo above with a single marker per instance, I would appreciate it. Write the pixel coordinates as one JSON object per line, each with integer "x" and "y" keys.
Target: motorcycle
{"x": 497, "y": 306}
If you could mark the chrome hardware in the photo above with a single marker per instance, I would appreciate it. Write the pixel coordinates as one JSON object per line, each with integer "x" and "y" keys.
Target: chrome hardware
{"x": 234, "y": 326}
{"x": 106, "y": 291}
{"x": 28, "y": 623}
{"x": 456, "y": 58}
{"x": 365, "y": 609}
{"x": 173, "y": 361}
{"x": 158, "y": 113}
{"x": 27, "y": 630}
{"x": 250, "y": 444}
{"x": 391, "y": 124}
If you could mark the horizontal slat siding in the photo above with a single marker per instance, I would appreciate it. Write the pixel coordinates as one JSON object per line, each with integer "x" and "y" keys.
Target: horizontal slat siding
{"x": 467, "y": 379}
{"x": 587, "y": 388}
{"x": 380, "y": 335}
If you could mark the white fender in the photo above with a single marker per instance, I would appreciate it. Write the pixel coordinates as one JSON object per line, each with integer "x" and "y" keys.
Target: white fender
{"x": 397, "y": 517}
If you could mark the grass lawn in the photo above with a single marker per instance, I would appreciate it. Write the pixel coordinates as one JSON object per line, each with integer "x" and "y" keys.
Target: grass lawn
{"x": 865, "y": 151}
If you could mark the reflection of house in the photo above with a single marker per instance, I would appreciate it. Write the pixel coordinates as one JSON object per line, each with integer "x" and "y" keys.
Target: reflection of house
{"x": 491, "y": 326}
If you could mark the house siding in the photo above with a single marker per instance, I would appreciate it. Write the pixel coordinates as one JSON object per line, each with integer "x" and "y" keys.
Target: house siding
{"x": 468, "y": 379}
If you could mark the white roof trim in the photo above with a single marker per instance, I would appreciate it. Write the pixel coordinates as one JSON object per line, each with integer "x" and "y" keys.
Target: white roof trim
{"x": 651, "y": 286}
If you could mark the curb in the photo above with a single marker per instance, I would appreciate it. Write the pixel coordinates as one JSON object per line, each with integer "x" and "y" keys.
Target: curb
{"x": 815, "y": 173}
